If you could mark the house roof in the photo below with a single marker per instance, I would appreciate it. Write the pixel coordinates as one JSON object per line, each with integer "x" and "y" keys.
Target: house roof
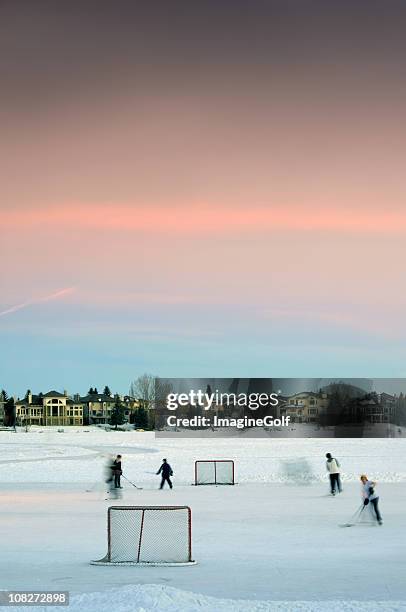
{"x": 97, "y": 397}
{"x": 36, "y": 401}
{"x": 54, "y": 394}
{"x": 306, "y": 393}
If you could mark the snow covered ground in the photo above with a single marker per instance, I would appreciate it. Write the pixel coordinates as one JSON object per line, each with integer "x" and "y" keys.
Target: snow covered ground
{"x": 272, "y": 542}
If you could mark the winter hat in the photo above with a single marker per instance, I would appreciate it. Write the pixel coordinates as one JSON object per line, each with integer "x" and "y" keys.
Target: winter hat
{"x": 328, "y": 455}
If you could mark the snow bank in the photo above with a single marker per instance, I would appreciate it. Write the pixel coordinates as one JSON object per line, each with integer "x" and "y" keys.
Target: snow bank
{"x": 159, "y": 598}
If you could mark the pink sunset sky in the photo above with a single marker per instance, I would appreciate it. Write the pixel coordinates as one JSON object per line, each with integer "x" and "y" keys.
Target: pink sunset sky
{"x": 186, "y": 208}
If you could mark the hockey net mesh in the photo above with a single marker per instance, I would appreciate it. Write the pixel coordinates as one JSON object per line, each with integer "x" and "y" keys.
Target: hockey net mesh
{"x": 149, "y": 534}
{"x": 214, "y": 472}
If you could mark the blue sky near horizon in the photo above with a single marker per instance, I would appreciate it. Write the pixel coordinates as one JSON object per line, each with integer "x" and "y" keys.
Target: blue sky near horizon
{"x": 68, "y": 347}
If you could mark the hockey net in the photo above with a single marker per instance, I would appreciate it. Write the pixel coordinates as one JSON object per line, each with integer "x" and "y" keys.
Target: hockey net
{"x": 148, "y": 535}
{"x": 214, "y": 471}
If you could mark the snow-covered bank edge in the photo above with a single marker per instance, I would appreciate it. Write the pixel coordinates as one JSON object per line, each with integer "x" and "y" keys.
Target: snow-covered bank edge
{"x": 160, "y": 598}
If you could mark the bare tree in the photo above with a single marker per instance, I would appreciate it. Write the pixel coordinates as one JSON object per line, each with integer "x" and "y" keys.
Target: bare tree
{"x": 143, "y": 389}
{"x": 151, "y": 391}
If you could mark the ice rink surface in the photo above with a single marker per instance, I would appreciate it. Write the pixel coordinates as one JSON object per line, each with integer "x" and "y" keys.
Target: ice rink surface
{"x": 273, "y": 540}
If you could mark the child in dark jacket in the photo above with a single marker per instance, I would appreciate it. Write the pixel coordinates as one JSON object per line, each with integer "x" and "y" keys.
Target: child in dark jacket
{"x": 166, "y": 472}
{"x": 117, "y": 471}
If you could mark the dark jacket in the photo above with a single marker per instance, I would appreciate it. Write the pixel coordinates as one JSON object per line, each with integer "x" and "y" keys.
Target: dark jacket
{"x": 166, "y": 470}
{"x": 116, "y": 467}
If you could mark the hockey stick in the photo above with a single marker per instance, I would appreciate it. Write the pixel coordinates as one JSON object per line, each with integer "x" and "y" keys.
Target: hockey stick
{"x": 93, "y": 487}
{"x": 368, "y": 517}
{"x": 354, "y": 519}
{"x": 134, "y": 485}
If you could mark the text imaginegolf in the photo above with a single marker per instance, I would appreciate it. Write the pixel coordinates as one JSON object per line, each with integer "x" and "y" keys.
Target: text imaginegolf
{"x": 202, "y": 421}
{"x": 209, "y": 400}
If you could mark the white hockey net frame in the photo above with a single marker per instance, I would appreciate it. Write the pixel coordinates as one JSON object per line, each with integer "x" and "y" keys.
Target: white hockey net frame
{"x": 149, "y": 536}
{"x": 216, "y": 472}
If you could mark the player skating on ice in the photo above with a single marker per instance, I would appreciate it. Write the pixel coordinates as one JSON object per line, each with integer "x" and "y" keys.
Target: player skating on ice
{"x": 333, "y": 469}
{"x": 113, "y": 473}
{"x": 370, "y": 497}
{"x": 117, "y": 472}
{"x": 166, "y": 472}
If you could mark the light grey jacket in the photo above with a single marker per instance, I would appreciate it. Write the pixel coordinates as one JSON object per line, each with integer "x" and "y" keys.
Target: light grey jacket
{"x": 365, "y": 490}
{"x": 332, "y": 465}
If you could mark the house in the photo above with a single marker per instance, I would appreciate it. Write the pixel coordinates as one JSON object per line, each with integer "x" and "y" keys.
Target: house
{"x": 97, "y": 408}
{"x": 305, "y": 407}
{"x": 379, "y": 408}
{"x": 53, "y": 408}
{"x": 131, "y": 405}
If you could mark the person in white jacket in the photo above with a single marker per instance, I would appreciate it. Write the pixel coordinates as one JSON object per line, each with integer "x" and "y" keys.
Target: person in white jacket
{"x": 333, "y": 469}
{"x": 369, "y": 496}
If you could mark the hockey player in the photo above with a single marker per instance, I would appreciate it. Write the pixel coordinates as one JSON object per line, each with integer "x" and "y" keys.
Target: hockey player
{"x": 369, "y": 496}
{"x": 166, "y": 471}
{"x": 333, "y": 469}
{"x": 117, "y": 471}
{"x": 112, "y": 490}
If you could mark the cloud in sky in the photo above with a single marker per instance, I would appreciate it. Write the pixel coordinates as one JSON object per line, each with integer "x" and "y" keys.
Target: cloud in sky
{"x": 210, "y": 220}
{"x": 46, "y": 298}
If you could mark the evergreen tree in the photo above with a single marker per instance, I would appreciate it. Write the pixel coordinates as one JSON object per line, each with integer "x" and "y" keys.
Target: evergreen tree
{"x": 151, "y": 419}
{"x": 117, "y": 416}
{"x": 335, "y": 408}
{"x": 401, "y": 409}
{"x": 9, "y": 410}
{"x": 3, "y": 398}
{"x": 106, "y": 391}
{"x": 91, "y": 391}
{"x": 141, "y": 418}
